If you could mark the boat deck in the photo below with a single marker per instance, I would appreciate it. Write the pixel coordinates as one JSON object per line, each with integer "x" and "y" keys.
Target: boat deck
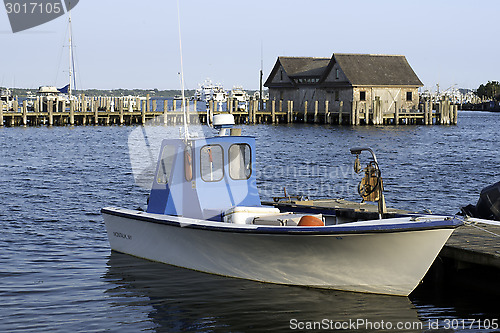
{"x": 470, "y": 244}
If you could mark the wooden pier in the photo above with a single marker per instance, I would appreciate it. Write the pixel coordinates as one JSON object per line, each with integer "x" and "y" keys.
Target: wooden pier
{"x": 128, "y": 111}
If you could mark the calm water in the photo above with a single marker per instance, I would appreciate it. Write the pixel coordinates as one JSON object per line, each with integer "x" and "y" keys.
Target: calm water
{"x": 58, "y": 274}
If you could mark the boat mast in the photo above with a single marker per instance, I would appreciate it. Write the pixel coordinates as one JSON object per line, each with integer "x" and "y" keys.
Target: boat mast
{"x": 70, "y": 51}
{"x": 186, "y": 134}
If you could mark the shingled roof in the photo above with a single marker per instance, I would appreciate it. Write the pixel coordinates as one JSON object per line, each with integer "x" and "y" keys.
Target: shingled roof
{"x": 360, "y": 69}
{"x": 301, "y": 66}
{"x": 377, "y": 70}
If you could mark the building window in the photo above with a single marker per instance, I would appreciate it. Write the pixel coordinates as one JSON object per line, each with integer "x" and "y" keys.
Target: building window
{"x": 362, "y": 95}
{"x": 409, "y": 96}
{"x": 281, "y": 75}
{"x": 240, "y": 162}
{"x": 337, "y": 98}
{"x": 337, "y": 74}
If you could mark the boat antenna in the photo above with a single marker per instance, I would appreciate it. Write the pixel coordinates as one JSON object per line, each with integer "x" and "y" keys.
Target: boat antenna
{"x": 186, "y": 134}
{"x": 261, "y": 100}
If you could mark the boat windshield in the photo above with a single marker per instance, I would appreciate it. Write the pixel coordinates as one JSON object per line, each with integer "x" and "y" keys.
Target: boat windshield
{"x": 212, "y": 157}
{"x": 240, "y": 161}
{"x": 166, "y": 162}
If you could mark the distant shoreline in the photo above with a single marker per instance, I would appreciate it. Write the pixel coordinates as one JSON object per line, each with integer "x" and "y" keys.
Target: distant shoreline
{"x": 171, "y": 93}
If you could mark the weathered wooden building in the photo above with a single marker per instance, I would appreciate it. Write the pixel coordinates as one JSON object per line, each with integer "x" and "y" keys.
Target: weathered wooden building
{"x": 347, "y": 80}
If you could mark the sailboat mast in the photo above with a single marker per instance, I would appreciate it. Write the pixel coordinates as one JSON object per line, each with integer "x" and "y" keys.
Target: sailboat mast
{"x": 70, "y": 53}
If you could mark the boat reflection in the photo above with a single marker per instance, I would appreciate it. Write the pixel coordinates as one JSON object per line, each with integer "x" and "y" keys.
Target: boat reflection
{"x": 177, "y": 299}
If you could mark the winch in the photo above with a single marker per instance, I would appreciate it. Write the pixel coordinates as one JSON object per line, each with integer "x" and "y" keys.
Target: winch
{"x": 371, "y": 186}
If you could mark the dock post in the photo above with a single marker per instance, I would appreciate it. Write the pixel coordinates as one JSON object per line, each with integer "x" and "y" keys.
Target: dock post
{"x": 254, "y": 112}
{"x": 341, "y": 106}
{"x": 1, "y": 113}
{"x": 291, "y": 111}
{"x": 250, "y": 106}
{"x": 273, "y": 111}
{"x": 72, "y": 112}
{"x": 328, "y": 115}
{"x": 448, "y": 113}
{"x": 165, "y": 110}
{"x": 396, "y": 113}
{"x": 447, "y": 108}
{"x": 148, "y": 104}
{"x": 121, "y": 101}
{"x": 352, "y": 120}
{"x": 442, "y": 108}
{"x": 305, "y": 111}
{"x": 426, "y": 113}
{"x": 25, "y": 112}
{"x": 444, "y": 113}
{"x": 95, "y": 110}
{"x": 186, "y": 105}
{"x": 288, "y": 116}
{"x": 378, "y": 111}
{"x": 143, "y": 112}
{"x": 154, "y": 105}
{"x": 50, "y": 105}
{"x": 455, "y": 114}
{"x": 316, "y": 104}
{"x": 83, "y": 103}
{"x": 357, "y": 115}
{"x": 195, "y": 106}
{"x": 15, "y": 105}
{"x": 229, "y": 105}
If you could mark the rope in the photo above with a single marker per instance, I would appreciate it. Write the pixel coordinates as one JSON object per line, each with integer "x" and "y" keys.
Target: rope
{"x": 475, "y": 226}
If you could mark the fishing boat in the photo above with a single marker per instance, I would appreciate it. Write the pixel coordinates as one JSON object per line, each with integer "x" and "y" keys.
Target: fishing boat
{"x": 204, "y": 213}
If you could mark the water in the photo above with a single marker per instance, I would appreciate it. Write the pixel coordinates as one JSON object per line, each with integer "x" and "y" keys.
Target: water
{"x": 57, "y": 273}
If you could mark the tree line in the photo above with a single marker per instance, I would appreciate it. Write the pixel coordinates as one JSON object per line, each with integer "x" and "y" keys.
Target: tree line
{"x": 490, "y": 90}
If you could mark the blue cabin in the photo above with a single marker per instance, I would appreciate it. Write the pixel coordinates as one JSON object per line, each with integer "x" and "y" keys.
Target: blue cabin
{"x": 203, "y": 178}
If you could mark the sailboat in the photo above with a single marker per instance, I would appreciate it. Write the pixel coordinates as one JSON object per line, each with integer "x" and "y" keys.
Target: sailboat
{"x": 205, "y": 213}
{"x": 64, "y": 95}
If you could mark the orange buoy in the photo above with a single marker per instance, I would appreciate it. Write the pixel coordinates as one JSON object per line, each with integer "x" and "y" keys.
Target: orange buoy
{"x": 310, "y": 221}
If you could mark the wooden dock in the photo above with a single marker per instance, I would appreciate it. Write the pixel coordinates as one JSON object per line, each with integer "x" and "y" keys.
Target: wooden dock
{"x": 126, "y": 111}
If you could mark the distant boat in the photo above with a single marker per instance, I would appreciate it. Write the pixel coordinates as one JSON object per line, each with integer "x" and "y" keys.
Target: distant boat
{"x": 6, "y": 98}
{"x": 64, "y": 94}
{"x": 209, "y": 91}
{"x": 241, "y": 98}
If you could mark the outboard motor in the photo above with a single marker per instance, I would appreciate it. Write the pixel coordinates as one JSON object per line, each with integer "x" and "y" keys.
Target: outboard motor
{"x": 488, "y": 205}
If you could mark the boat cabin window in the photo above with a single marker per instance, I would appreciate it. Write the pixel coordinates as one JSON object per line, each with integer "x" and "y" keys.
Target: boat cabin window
{"x": 211, "y": 159}
{"x": 240, "y": 161}
{"x": 166, "y": 162}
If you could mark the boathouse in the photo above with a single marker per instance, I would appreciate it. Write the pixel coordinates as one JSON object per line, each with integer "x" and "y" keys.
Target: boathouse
{"x": 345, "y": 80}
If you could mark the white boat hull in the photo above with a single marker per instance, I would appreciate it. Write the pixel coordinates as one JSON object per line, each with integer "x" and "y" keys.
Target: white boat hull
{"x": 392, "y": 262}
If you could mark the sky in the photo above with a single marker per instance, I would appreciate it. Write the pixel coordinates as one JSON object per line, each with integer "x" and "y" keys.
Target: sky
{"x": 135, "y": 44}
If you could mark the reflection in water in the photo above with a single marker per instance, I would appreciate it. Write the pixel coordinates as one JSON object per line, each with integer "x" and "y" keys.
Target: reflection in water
{"x": 185, "y": 300}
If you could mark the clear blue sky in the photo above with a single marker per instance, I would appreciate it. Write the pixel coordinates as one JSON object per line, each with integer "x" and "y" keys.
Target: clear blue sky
{"x": 134, "y": 44}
